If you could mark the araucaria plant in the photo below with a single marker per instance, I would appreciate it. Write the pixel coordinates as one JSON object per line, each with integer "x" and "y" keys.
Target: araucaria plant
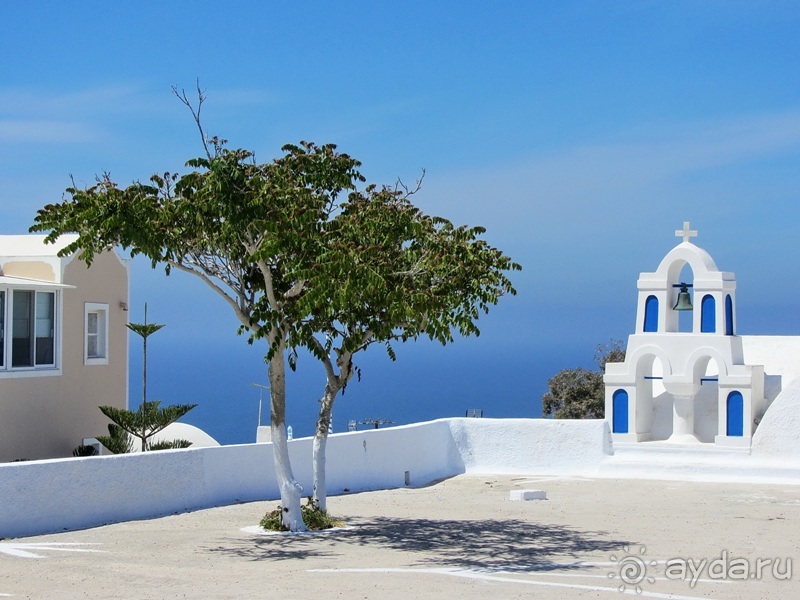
{"x": 146, "y": 422}
{"x": 150, "y": 419}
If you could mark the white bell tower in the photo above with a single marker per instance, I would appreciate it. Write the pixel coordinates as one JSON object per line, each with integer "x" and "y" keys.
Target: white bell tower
{"x": 684, "y": 386}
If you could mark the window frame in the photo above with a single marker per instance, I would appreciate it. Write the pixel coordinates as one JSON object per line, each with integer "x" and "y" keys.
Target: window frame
{"x": 7, "y": 368}
{"x": 101, "y": 309}
{"x": 3, "y": 352}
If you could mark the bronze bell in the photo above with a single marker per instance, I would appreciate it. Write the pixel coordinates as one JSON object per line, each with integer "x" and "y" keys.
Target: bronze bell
{"x": 684, "y": 299}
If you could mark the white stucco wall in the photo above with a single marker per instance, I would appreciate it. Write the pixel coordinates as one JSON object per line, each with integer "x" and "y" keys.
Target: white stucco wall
{"x": 778, "y": 434}
{"x": 54, "y": 495}
{"x": 526, "y": 445}
{"x": 778, "y": 353}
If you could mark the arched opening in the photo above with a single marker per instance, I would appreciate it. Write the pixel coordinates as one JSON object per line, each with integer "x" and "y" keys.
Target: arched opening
{"x": 728, "y": 315}
{"x": 685, "y": 317}
{"x": 649, "y": 386}
{"x": 620, "y": 406}
{"x": 734, "y": 420}
{"x": 651, "y": 315}
{"x": 706, "y": 400}
{"x": 708, "y": 314}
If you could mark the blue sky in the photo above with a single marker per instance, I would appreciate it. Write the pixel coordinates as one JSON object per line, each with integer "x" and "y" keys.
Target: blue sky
{"x": 581, "y": 134}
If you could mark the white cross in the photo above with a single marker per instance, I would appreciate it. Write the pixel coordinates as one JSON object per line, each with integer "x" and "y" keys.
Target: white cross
{"x": 685, "y": 233}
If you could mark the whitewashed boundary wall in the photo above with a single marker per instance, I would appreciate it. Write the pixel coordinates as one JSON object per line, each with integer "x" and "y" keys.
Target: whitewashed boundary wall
{"x": 74, "y": 493}
{"x": 531, "y": 446}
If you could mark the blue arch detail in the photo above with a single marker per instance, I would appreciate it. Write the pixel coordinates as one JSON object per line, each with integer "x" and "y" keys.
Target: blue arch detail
{"x": 651, "y": 314}
{"x": 728, "y": 315}
{"x": 734, "y": 425}
{"x": 619, "y": 422}
{"x": 708, "y": 317}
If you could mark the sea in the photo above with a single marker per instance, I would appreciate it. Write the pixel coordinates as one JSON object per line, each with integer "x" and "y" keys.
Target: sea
{"x": 427, "y": 381}
{"x": 198, "y": 358}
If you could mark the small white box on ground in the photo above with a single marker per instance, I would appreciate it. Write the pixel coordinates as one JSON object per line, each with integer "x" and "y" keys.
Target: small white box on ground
{"x": 528, "y": 495}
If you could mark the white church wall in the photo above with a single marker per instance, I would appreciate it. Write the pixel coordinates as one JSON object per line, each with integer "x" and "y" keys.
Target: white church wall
{"x": 706, "y": 410}
{"x": 662, "y": 417}
{"x": 778, "y": 433}
{"x": 780, "y": 356}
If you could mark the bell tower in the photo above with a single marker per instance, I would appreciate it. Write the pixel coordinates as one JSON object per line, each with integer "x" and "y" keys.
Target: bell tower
{"x": 684, "y": 386}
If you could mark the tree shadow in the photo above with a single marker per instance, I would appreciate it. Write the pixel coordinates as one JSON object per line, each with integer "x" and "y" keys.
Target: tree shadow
{"x": 277, "y": 547}
{"x": 481, "y": 544}
{"x": 489, "y": 544}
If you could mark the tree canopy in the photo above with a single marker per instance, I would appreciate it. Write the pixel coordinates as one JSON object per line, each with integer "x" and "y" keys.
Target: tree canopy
{"x": 391, "y": 273}
{"x": 580, "y": 393}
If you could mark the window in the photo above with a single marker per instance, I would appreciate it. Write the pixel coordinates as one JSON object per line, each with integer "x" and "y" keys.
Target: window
{"x": 96, "y": 338}
{"x": 27, "y": 329}
{"x": 708, "y": 314}
{"x": 2, "y": 328}
{"x": 22, "y": 329}
{"x": 651, "y": 314}
{"x": 728, "y": 315}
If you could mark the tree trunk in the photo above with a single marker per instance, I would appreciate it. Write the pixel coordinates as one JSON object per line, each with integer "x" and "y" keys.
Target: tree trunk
{"x": 291, "y": 490}
{"x": 320, "y": 497}
{"x": 144, "y": 383}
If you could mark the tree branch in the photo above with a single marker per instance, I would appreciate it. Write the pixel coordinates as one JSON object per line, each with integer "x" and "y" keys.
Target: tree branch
{"x": 201, "y": 97}
{"x": 326, "y": 362}
{"x": 238, "y": 309}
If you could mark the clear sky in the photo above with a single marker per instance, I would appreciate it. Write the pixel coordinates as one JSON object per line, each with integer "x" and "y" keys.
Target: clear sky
{"x": 581, "y": 134}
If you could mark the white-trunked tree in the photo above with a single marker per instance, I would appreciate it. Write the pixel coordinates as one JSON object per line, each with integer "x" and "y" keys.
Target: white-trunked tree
{"x": 392, "y": 273}
{"x": 248, "y": 230}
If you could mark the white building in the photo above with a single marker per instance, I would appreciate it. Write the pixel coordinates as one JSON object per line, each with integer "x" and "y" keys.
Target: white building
{"x": 693, "y": 380}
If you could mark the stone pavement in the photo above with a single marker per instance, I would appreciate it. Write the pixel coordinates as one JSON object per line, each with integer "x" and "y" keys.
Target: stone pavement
{"x": 461, "y": 538}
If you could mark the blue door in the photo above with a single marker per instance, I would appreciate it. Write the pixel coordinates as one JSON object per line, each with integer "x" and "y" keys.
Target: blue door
{"x": 619, "y": 422}
{"x": 735, "y": 410}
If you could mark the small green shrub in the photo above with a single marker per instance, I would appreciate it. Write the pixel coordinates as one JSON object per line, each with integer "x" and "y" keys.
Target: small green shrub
{"x": 117, "y": 441}
{"x": 166, "y": 445}
{"x": 84, "y": 451}
{"x": 314, "y": 518}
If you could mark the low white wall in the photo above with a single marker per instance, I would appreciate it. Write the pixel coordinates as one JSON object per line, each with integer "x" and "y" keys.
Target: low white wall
{"x": 531, "y": 445}
{"x": 56, "y": 495}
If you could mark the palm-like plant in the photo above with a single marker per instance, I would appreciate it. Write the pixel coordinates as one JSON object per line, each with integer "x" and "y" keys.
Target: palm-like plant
{"x": 145, "y": 330}
{"x": 144, "y": 423}
{"x": 151, "y": 417}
